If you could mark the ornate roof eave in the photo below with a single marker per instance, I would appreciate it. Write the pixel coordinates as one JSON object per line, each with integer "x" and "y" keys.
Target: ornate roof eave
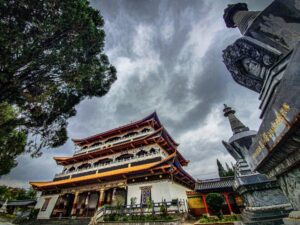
{"x": 177, "y": 164}
{"x": 160, "y": 133}
{"x": 119, "y": 172}
{"x": 174, "y": 146}
{"x": 106, "y": 151}
{"x": 152, "y": 117}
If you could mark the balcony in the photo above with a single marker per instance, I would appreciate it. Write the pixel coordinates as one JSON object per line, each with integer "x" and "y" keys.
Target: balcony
{"x": 136, "y": 158}
{"x": 109, "y": 144}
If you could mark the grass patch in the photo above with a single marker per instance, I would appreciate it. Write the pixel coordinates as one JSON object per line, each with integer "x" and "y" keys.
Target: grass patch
{"x": 214, "y": 219}
{"x": 7, "y": 216}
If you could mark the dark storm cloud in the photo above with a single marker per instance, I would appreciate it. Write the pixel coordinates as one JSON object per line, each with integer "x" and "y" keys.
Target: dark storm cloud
{"x": 169, "y": 58}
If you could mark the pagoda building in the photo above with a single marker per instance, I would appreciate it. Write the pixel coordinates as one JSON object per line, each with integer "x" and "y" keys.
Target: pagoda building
{"x": 131, "y": 164}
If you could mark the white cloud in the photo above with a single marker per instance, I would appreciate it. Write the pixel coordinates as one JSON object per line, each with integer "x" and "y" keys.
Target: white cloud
{"x": 162, "y": 55}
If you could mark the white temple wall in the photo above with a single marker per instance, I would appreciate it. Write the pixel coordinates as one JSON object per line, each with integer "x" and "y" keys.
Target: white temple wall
{"x": 46, "y": 213}
{"x": 179, "y": 191}
{"x": 160, "y": 190}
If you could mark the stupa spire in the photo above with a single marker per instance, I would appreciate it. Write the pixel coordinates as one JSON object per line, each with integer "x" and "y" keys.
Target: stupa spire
{"x": 237, "y": 15}
{"x": 236, "y": 125}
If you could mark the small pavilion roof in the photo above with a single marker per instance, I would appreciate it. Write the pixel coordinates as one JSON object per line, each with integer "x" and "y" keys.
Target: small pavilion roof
{"x": 151, "y": 119}
{"x": 215, "y": 184}
{"x": 163, "y": 164}
{"x": 19, "y": 202}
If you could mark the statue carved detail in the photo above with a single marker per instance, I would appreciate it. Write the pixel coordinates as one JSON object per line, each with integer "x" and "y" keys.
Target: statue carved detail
{"x": 248, "y": 63}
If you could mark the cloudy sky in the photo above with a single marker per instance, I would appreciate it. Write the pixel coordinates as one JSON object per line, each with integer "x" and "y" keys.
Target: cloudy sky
{"x": 169, "y": 59}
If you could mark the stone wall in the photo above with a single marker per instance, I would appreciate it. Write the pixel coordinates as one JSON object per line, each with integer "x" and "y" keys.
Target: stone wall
{"x": 140, "y": 223}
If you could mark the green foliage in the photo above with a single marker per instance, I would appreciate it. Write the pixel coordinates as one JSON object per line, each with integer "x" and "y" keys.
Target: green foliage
{"x": 164, "y": 209}
{"x": 221, "y": 169}
{"x": 51, "y": 59}
{"x": 9, "y": 193}
{"x": 150, "y": 205}
{"x": 228, "y": 172}
{"x": 12, "y": 138}
{"x": 215, "y": 202}
{"x": 132, "y": 201}
{"x": 214, "y": 219}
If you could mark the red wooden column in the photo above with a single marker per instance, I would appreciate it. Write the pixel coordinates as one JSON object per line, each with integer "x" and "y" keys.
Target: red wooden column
{"x": 75, "y": 202}
{"x": 205, "y": 205}
{"x": 228, "y": 202}
{"x": 101, "y": 197}
{"x": 113, "y": 198}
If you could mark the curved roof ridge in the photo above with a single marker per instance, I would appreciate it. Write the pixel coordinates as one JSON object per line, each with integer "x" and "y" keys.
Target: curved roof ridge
{"x": 104, "y": 174}
{"x": 149, "y": 117}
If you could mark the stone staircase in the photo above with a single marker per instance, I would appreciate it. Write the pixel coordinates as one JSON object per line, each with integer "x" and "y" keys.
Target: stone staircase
{"x": 63, "y": 221}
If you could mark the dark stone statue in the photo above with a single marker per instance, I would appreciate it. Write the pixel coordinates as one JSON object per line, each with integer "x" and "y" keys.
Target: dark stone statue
{"x": 277, "y": 25}
{"x": 266, "y": 60}
{"x": 264, "y": 200}
{"x": 248, "y": 62}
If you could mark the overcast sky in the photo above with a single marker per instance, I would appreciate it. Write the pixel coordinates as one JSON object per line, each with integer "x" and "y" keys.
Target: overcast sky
{"x": 168, "y": 55}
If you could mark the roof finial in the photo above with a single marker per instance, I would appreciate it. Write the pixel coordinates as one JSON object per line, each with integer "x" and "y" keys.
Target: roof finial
{"x": 236, "y": 125}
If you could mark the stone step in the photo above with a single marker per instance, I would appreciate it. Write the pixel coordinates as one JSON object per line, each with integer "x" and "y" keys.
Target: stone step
{"x": 84, "y": 221}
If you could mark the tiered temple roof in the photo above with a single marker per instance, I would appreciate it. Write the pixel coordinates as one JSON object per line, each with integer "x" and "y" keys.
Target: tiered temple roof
{"x": 171, "y": 166}
{"x": 160, "y": 136}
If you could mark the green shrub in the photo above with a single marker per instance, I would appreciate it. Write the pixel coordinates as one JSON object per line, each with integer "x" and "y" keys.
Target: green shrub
{"x": 215, "y": 202}
{"x": 213, "y": 219}
{"x": 164, "y": 209}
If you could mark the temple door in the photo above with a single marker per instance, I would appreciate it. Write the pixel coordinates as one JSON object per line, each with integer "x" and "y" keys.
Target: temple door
{"x": 145, "y": 194}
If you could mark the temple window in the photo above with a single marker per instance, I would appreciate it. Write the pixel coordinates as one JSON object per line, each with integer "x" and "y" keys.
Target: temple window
{"x": 45, "y": 205}
{"x": 112, "y": 139}
{"x": 124, "y": 157}
{"x": 153, "y": 151}
{"x": 96, "y": 144}
{"x": 145, "y": 130}
{"x": 72, "y": 169}
{"x": 103, "y": 161}
{"x": 130, "y": 134}
{"x": 142, "y": 153}
{"x": 84, "y": 166}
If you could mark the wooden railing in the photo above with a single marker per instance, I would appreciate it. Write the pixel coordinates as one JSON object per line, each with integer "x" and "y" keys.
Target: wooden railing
{"x": 113, "y": 163}
{"x": 108, "y": 144}
{"x": 172, "y": 207}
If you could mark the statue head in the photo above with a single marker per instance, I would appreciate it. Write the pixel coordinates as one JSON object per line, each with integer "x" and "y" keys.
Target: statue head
{"x": 252, "y": 67}
{"x": 248, "y": 62}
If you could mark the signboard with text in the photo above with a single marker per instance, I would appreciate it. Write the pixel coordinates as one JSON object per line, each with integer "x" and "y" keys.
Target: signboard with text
{"x": 282, "y": 113}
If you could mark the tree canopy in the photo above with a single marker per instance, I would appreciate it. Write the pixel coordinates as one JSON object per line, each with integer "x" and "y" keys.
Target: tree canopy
{"x": 215, "y": 202}
{"x": 52, "y": 57}
{"x": 228, "y": 172}
{"x": 10, "y": 193}
{"x": 12, "y": 139}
